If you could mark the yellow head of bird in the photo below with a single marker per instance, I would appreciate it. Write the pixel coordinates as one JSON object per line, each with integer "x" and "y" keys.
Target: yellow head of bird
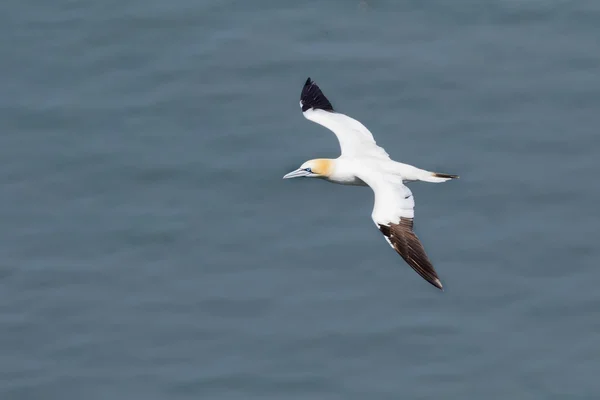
{"x": 317, "y": 168}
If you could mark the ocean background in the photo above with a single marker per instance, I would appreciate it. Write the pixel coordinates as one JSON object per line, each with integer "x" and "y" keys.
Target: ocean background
{"x": 149, "y": 248}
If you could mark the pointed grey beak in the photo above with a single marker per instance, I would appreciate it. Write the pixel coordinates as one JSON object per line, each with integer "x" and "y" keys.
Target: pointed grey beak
{"x": 296, "y": 174}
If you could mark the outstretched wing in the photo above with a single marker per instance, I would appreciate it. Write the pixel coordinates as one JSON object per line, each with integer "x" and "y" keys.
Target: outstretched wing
{"x": 402, "y": 239}
{"x": 355, "y": 139}
{"x": 393, "y": 214}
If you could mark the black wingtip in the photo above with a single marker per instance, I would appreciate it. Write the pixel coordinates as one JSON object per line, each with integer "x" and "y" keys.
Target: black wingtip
{"x": 437, "y": 283}
{"x": 402, "y": 238}
{"x": 313, "y": 97}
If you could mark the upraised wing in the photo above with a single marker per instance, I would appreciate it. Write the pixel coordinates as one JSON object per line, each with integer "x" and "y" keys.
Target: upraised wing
{"x": 355, "y": 139}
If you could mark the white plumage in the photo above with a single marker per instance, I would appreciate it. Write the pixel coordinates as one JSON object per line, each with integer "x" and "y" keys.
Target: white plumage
{"x": 362, "y": 162}
{"x": 355, "y": 139}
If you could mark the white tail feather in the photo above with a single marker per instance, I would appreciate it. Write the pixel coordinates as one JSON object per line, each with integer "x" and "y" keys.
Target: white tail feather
{"x": 435, "y": 179}
{"x": 410, "y": 173}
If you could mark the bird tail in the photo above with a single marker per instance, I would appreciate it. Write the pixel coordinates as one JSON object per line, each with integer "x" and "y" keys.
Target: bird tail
{"x": 438, "y": 177}
{"x": 410, "y": 173}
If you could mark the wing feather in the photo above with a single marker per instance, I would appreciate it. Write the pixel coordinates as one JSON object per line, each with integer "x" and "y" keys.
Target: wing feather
{"x": 402, "y": 239}
{"x": 393, "y": 213}
{"x": 354, "y": 138}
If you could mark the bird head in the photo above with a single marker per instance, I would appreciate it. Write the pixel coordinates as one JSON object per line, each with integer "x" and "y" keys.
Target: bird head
{"x": 318, "y": 168}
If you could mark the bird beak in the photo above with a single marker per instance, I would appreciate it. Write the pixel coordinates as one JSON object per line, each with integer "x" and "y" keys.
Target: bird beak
{"x": 296, "y": 174}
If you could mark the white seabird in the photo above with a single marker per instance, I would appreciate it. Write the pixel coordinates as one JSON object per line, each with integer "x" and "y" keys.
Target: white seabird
{"x": 363, "y": 163}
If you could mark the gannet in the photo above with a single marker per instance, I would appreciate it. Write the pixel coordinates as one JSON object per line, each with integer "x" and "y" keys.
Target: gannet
{"x": 363, "y": 163}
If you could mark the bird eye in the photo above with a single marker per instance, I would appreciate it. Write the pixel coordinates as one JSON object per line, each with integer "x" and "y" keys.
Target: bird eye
{"x": 307, "y": 169}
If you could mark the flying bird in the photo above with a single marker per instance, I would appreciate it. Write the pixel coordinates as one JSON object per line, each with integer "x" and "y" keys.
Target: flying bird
{"x": 363, "y": 163}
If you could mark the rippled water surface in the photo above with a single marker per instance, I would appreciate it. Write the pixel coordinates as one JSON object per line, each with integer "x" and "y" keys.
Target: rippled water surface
{"x": 150, "y": 250}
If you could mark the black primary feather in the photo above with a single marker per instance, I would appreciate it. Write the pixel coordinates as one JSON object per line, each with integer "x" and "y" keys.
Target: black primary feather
{"x": 313, "y": 97}
{"x": 407, "y": 244}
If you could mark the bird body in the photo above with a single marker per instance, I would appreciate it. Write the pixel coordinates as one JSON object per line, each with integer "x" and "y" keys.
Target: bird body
{"x": 363, "y": 163}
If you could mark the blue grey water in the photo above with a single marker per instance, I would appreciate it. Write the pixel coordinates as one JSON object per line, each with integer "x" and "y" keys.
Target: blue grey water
{"x": 149, "y": 248}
